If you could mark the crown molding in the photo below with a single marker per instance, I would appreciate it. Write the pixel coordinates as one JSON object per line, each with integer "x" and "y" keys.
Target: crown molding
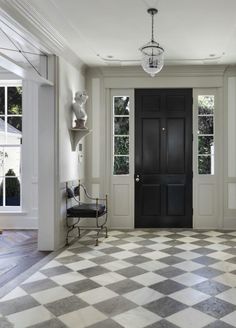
{"x": 167, "y": 71}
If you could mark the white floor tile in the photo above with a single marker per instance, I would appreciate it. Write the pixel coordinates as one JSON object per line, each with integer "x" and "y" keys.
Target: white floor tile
{"x": 116, "y": 265}
{"x": 189, "y": 279}
{"x": 152, "y": 265}
{"x": 108, "y": 278}
{"x": 230, "y": 318}
{"x": 188, "y": 266}
{"x": 228, "y": 296}
{"x": 190, "y": 318}
{"x": 143, "y": 295}
{"x": 228, "y": 279}
{"x": 17, "y": 292}
{"x": 30, "y": 317}
{"x": 51, "y": 295}
{"x": 189, "y": 296}
{"x": 136, "y": 318}
{"x": 67, "y": 278}
{"x": 122, "y": 255}
{"x": 84, "y": 264}
{"x": 35, "y": 277}
{"x": 156, "y": 255}
{"x": 148, "y": 279}
{"x": 97, "y": 295}
{"x": 82, "y": 318}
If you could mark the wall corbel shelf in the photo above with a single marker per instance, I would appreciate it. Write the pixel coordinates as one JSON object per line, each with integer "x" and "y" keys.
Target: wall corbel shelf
{"x": 77, "y": 135}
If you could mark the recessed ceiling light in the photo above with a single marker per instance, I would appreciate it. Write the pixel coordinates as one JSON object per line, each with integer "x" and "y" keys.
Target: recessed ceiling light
{"x": 212, "y": 55}
{"x": 110, "y": 56}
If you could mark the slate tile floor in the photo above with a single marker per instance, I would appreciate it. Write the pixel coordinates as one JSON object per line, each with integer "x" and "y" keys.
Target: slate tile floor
{"x": 133, "y": 279}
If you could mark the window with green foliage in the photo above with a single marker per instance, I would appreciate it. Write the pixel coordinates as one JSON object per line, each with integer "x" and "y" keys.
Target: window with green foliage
{"x": 10, "y": 145}
{"x": 121, "y": 118}
{"x": 206, "y": 106}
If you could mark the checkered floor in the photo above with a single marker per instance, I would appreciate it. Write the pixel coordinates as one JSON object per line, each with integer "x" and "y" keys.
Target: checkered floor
{"x": 134, "y": 279}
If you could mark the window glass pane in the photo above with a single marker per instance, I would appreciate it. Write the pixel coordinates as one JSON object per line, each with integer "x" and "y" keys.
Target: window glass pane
{"x": 2, "y": 100}
{"x": 12, "y": 161}
{"x": 121, "y": 145}
{"x": 121, "y": 105}
{"x": 1, "y": 191}
{"x": 121, "y": 165}
{"x": 2, "y": 159}
{"x": 205, "y": 125}
{"x": 14, "y": 128}
{"x": 206, "y": 165}
{"x": 2, "y": 131}
{"x": 14, "y": 97}
{"x": 205, "y": 104}
{"x": 206, "y": 145}
{"x": 12, "y": 187}
{"x": 121, "y": 125}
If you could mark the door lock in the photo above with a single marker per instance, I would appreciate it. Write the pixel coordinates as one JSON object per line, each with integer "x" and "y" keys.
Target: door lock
{"x": 137, "y": 178}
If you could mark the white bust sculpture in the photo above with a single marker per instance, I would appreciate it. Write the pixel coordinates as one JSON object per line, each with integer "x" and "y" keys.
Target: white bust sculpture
{"x": 78, "y": 108}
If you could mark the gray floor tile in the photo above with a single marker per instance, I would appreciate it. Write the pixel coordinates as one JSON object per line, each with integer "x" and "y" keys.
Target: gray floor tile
{"x": 103, "y": 259}
{"x": 17, "y": 305}
{"x": 172, "y": 250}
{"x": 167, "y": 287}
{"x": 81, "y": 286}
{"x": 170, "y": 272}
{"x": 109, "y": 323}
{"x": 164, "y": 307}
{"x": 215, "y": 307}
{"x": 219, "y": 324}
{"x": 141, "y": 250}
{"x": 56, "y": 271}
{"x": 232, "y": 260}
{"x": 137, "y": 259}
{"x": 38, "y": 286}
{"x": 131, "y": 271}
{"x": 93, "y": 271}
{"x": 162, "y": 324}
{"x": 208, "y": 272}
{"x": 231, "y": 250}
{"x": 112, "y": 250}
{"x": 69, "y": 259}
{"x": 211, "y": 287}
{"x": 115, "y": 306}
{"x": 4, "y": 323}
{"x": 205, "y": 260}
{"x": 171, "y": 260}
{"x": 202, "y": 243}
{"x": 66, "y": 305}
{"x": 124, "y": 286}
{"x": 203, "y": 251}
{"x": 145, "y": 242}
{"x": 53, "y": 323}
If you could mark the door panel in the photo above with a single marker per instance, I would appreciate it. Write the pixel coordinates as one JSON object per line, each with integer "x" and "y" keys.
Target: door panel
{"x": 175, "y": 145}
{"x": 151, "y": 195}
{"x": 151, "y": 145}
{"x": 163, "y": 158}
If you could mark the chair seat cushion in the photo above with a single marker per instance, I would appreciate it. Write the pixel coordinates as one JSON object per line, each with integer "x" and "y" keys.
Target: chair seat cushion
{"x": 84, "y": 210}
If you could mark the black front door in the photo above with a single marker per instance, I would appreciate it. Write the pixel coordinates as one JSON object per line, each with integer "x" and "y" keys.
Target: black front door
{"x": 163, "y": 158}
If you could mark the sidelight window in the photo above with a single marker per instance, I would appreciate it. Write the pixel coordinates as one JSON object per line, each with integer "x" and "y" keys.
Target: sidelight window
{"x": 121, "y": 120}
{"x": 206, "y": 148}
{"x": 10, "y": 145}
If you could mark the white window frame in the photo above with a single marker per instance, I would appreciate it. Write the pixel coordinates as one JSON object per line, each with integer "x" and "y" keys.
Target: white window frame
{"x": 207, "y": 135}
{"x": 12, "y": 83}
{"x": 116, "y": 135}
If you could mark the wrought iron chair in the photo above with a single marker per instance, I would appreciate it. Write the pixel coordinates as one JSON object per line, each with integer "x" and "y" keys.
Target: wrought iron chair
{"x": 97, "y": 211}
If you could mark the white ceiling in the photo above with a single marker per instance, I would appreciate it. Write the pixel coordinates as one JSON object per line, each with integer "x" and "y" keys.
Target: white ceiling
{"x": 190, "y": 31}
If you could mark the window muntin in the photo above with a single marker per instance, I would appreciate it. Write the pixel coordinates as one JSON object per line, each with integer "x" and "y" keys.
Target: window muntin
{"x": 206, "y": 140}
{"x": 121, "y": 121}
{"x": 10, "y": 145}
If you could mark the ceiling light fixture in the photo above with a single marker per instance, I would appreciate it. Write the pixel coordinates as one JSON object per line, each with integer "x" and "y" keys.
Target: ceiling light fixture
{"x": 152, "y": 53}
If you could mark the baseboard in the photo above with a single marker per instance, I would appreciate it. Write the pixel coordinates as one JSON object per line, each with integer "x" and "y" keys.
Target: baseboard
{"x": 18, "y": 222}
